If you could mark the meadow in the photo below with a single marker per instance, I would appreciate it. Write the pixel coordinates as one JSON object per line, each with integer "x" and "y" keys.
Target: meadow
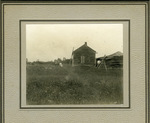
{"x": 73, "y": 85}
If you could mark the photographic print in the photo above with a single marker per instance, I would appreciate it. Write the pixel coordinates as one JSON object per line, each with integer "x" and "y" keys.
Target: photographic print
{"x": 75, "y": 64}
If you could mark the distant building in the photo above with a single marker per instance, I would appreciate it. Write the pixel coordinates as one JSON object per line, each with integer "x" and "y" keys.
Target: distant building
{"x": 114, "y": 60}
{"x": 84, "y": 55}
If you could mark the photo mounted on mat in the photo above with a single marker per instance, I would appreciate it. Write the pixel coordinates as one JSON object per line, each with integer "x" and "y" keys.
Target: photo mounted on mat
{"x": 75, "y": 64}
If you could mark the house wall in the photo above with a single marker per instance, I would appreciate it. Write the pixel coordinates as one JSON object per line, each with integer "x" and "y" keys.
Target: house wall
{"x": 88, "y": 55}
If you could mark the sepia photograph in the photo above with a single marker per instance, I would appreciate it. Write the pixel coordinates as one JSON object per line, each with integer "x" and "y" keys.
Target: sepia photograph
{"x": 74, "y": 64}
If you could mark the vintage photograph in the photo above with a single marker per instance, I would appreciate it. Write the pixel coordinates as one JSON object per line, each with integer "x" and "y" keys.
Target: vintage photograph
{"x": 75, "y": 64}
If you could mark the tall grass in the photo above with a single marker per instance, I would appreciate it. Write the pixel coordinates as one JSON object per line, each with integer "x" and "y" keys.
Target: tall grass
{"x": 73, "y": 85}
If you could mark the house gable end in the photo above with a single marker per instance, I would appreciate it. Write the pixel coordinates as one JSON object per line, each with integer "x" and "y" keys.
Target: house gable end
{"x": 84, "y": 47}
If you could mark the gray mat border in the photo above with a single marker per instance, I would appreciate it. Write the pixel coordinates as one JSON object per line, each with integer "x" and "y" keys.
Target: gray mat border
{"x": 147, "y": 18}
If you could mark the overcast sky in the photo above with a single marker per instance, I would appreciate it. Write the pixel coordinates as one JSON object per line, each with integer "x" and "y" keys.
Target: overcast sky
{"x": 46, "y": 42}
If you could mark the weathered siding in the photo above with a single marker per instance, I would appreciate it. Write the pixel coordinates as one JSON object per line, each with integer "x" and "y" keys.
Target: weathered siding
{"x": 88, "y": 57}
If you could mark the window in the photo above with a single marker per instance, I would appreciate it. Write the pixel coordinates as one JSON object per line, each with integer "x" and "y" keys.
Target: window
{"x": 82, "y": 59}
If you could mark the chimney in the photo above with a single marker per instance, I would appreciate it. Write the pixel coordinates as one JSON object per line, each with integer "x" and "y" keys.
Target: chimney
{"x": 85, "y": 44}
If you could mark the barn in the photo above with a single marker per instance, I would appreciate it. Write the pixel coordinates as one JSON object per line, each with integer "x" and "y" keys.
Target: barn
{"x": 84, "y": 55}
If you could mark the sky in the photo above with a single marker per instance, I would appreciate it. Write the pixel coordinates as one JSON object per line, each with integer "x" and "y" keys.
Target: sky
{"x": 47, "y": 42}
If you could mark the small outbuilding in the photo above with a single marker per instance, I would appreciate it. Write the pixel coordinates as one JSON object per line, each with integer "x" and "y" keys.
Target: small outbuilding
{"x": 84, "y": 55}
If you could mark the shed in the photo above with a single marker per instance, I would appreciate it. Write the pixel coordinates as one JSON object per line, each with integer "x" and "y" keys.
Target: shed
{"x": 84, "y": 55}
{"x": 114, "y": 60}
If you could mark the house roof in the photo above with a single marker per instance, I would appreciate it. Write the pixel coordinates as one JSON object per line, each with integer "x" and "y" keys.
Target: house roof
{"x": 84, "y": 45}
{"x": 119, "y": 54}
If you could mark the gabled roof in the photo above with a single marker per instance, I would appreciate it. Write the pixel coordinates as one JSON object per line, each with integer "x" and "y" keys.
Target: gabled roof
{"x": 84, "y": 45}
{"x": 119, "y": 54}
{"x": 115, "y": 54}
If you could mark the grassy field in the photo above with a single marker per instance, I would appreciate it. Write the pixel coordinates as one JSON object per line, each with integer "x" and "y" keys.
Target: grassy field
{"x": 73, "y": 85}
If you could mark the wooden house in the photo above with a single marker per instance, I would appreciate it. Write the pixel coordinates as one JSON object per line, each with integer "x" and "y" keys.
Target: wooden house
{"x": 84, "y": 55}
